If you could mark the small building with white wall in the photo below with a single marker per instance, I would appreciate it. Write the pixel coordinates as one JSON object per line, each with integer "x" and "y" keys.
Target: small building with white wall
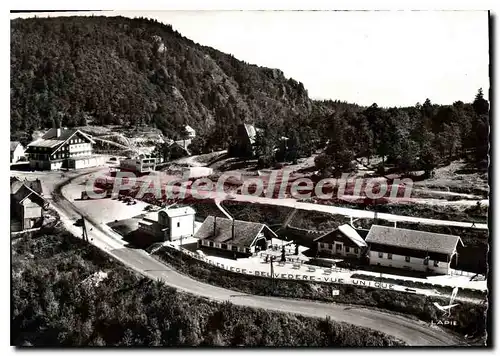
{"x": 16, "y": 151}
{"x": 344, "y": 241}
{"x": 169, "y": 224}
{"x": 411, "y": 249}
{"x": 191, "y": 132}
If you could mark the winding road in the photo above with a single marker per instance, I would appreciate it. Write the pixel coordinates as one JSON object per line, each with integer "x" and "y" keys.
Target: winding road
{"x": 413, "y": 332}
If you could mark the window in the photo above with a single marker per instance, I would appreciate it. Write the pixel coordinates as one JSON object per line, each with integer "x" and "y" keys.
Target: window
{"x": 338, "y": 247}
{"x": 426, "y": 261}
{"x": 356, "y": 250}
{"x": 389, "y": 256}
{"x": 346, "y": 249}
{"x": 223, "y": 246}
{"x": 436, "y": 263}
{"x": 211, "y": 244}
{"x": 407, "y": 258}
{"x": 380, "y": 255}
{"x": 234, "y": 248}
{"x": 247, "y": 250}
{"x": 178, "y": 224}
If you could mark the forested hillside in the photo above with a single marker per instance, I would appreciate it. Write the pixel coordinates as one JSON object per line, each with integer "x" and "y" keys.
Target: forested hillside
{"x": 137, "y": 72}
{"x": 132, "y": 72}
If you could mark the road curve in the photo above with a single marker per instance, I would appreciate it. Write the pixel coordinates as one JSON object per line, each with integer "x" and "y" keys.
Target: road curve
{"x": 413, "y": 332}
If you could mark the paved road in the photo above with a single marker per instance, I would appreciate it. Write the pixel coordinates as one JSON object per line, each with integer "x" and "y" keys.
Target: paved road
{"x": 413, "y": 332}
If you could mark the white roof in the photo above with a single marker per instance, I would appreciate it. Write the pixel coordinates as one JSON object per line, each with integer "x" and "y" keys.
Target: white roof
{"x": 45, "y": 143}
{"x": 175, "y": 212}
{"x": 352, "y": 234}
{"x": 152, "y": 216}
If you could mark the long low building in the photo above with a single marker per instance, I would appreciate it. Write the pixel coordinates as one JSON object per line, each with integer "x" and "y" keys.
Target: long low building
{"x": 238, "y": 236}
{"x": 141, "y": 164}
{"x": 411, "y": 249}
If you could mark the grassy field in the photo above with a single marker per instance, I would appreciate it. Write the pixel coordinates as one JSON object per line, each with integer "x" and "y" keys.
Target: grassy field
{"x": 68, "y": 293}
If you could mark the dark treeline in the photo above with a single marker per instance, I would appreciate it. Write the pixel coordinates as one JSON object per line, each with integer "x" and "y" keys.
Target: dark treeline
{"x": 56, "y": 302}
{"x": 137, "y": 72}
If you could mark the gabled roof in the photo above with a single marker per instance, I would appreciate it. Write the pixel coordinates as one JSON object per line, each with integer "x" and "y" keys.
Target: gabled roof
{"x": 352, "y": 234}
{"x": 25, "y": 192}
{"x": 245, "y": 232}
{"x": 35, "y": 185}
{"x": 251, "y": 132}
{"x": 13, "y": 145}
{"x": 346, "y": 230}
{"x": 51, "y": 140}
{"x": 412, "y": 239}
{"x": 189, "y": 129}
{"x": 15, "y": 184}
{"x": 183, "y": 145}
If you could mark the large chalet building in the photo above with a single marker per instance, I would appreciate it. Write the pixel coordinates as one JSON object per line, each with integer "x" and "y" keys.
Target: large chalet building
{"x": 62, "y": 148}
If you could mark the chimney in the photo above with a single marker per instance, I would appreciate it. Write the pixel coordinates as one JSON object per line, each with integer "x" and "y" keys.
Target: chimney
{"x": 232, "y": 231}
{"x": 58, "y": 132}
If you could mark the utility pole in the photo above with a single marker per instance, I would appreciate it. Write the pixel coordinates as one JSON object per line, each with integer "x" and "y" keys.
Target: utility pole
{"x": 180, "y": 250}
{"x": 272, "y": 275}
{"x": 81, "y": 222}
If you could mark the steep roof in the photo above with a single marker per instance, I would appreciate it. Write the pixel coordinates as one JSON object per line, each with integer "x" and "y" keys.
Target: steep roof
{"x": 251, "y": 132}
{"x": 182, "y": 144}
{"x": 13, "y": 145}
{"x": 348, "y": 231}
{"x": 412, "y": 239}
{"x": 245, "y": 232}
{"x": 189, "y": 129}
{"x": 51, "y": 140}
{"x": 25, "y": 192}
{"x": 35, "y": 185}
{"x": 15, "y": 184}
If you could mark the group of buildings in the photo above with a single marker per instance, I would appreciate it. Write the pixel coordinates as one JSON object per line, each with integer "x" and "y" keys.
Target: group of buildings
{"x": 63, "y": 148}
{"x": 392, "y": 247}
{"x": 382, "y": 245}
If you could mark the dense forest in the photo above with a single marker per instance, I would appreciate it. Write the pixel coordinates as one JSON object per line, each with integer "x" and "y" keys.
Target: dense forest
{"x": 58, "y": 300}
{"x": 133, "y": 72}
